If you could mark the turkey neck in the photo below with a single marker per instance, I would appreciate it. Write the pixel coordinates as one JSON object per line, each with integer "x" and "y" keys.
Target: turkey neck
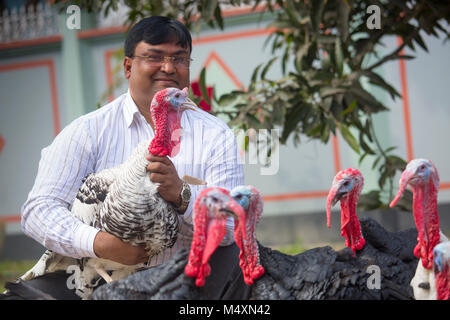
{"x": 442, "y": 284}
{"x": 249, "y": 260}
{"x": 160, "y": 144}
{"x": 350, "y": 226}
{"x": 426, "y": 218}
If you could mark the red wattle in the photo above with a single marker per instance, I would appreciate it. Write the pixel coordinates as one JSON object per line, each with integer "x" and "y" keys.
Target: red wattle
{"x": 443, "y": 284}
{"x": 426, "y": 218}
{"x": 167, "y": 121}
{"x": 216, "y": 232}
{"x": 350, "y": 226}
{"x": 245, "y": 238}
{"x": 193, "y": 266}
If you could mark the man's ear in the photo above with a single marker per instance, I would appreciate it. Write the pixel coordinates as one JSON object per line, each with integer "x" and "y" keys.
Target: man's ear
{"x": 127, "y": 61}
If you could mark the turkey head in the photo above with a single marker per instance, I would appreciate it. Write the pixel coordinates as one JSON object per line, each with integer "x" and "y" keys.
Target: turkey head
{"x": 441, "y": 266}
{"x": 250, "y": 199}
{"x": 346, "y": 188}
{"x": 212, "y": 208}
{"x": 423, "y": 177}
{"x": 166, "y": 109}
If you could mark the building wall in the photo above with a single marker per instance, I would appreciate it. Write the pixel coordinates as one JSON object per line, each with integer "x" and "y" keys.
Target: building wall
{"x": 46, "y": 83}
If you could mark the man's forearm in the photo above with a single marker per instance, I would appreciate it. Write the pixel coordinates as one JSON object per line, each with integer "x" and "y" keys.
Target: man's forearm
{"x": 49, "y": 222}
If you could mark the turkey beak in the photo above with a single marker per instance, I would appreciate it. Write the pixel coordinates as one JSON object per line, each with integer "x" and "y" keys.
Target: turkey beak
{"x": 229, "y": 212}
{"x": 334, "y": 196}
{"x": 338, "y": 196}
{"x": 406, "y": 177}
{"x": 238, "y": 213}
{"x": 188, "y": 105}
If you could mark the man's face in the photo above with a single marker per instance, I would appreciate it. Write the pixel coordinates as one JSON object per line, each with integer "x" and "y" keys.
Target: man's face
{"x": 146, "y": 79}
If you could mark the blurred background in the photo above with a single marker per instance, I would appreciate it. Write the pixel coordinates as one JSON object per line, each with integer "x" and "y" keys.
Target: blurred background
{"x": 50, "y": 74}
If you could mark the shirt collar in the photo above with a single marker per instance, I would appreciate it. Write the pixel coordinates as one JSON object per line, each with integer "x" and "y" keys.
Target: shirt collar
{"x": 130, "y": 109}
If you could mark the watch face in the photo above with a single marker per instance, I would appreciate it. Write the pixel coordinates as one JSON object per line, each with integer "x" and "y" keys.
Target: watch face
{"x": 186, "y": 194}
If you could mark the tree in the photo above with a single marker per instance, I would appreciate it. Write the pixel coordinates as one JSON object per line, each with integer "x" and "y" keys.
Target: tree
{"x": 324, "y": 48}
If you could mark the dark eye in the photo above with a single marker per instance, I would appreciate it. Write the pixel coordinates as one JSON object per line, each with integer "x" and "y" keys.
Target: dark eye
{"x": 177, "y": 95}
{"x": 214, "y": 199}
{"x": 154, "y": 58}
{"x": 422, "y": 167}
{"x": 346, "y": 183}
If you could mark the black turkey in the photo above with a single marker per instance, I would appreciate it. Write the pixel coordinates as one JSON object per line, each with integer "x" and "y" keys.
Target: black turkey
{"x": 319, "y": 273}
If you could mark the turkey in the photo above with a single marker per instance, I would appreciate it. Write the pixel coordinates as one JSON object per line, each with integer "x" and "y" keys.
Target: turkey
{"x": 441, "y": 258}
{"x": 322, "y": 273}
{"x": 212, "y": 208}
{"x": 124, "y": 202}
{"x": 174, "y": 278}
{"x": 346, "y": 188}
{"x": 423, "y": 177}
{"x": 392, "y": 252}
{"x": 319, "y": 273}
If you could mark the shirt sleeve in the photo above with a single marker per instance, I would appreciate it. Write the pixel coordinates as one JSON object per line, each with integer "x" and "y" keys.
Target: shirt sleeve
{"x": 45, "y": 214}
{"x": 224, "y": 169}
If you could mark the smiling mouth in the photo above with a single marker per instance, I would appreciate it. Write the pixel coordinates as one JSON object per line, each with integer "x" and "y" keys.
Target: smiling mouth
{"x": 166, "y": 81}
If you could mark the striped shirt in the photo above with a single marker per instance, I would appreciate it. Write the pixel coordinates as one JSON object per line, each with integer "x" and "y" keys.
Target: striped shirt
{"x": 106, "y": 138}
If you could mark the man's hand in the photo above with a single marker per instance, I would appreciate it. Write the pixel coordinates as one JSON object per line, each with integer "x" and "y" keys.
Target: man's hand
{"x": 110, "y": 247}
{"x": 163, "y": 171}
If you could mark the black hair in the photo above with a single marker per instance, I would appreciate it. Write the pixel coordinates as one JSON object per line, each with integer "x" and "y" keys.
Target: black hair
{"x": 156, "y": 30}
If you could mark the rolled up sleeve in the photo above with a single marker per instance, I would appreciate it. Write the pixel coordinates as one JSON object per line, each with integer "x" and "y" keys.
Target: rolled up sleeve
{"x": 46, "y": 215}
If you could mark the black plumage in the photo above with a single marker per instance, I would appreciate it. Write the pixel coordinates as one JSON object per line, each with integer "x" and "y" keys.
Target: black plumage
{"x": 316, "y": 274}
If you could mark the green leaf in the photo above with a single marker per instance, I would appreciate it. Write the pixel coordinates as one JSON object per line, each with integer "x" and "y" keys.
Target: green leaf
{"x": 266, "y": 68}
{"x": 362, "y": 157}
{"x": 379, "y": 81}
{"x": 202, "y": 85}
{"x": 367, "y": 99}
{"x": 389, "y": 149}
{"x": 348, "y": 136}
{"x": 227, "y": 99}
{"x": 317, "y": 7}
{"x": 313, "y": 132}
{"x": 254, "y": 76}
{"x": 350, "y": 108}
{"x": 218, "y": 17}
{"x": 209, "y": 6}
{"x": 343, "y": 18}
{"x": 364, "y": 145}
{"x": 374, "y": 165}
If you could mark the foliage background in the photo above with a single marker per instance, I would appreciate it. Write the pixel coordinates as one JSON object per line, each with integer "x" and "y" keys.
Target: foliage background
{"x": 327, "y": 50}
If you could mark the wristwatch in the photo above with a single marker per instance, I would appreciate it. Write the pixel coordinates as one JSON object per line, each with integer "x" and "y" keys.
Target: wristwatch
{"x": 185, "y": 197}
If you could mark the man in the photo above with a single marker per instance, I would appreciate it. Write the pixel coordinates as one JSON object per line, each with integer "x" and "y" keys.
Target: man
{"x": 157, "y": 56}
